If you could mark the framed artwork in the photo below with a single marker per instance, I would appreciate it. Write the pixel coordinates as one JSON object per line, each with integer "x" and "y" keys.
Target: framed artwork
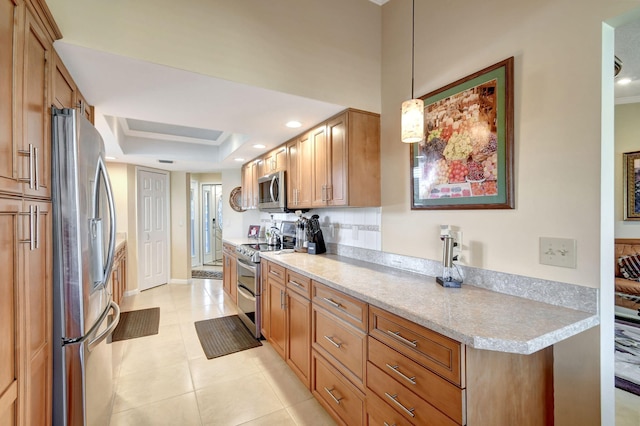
{"x": 632, "y": 185}
{"x": 466, "y": 158}
{"x": 254, "y": 231}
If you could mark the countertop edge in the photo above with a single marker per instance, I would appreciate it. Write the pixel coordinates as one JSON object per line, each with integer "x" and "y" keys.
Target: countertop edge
{"x": 477, "y": 342}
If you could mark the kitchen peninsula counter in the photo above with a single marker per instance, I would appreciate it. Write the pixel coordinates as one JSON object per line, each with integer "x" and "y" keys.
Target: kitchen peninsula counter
{"x": 474, "y": 316}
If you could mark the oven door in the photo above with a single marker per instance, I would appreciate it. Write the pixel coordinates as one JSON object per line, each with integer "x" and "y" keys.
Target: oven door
{"x": 249, "y": 295}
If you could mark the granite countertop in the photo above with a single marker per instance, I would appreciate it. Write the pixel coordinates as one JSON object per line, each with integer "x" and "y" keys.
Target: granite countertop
{"x": 477, "y": 317}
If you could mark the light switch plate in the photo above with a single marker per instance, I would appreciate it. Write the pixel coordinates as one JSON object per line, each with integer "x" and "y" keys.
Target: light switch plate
{"x": 558, "y": 252}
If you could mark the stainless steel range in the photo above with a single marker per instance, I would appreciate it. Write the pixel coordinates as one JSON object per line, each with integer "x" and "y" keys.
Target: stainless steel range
{"x": 249, "y": 283}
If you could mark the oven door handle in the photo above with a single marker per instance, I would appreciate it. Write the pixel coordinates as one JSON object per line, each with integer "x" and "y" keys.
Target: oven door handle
{"x": 250, "y": 266}
{"x": 248, "y": 294}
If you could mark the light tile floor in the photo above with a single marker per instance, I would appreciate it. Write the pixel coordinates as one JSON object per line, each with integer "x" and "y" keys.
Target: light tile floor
{"x": 627, "y": 408}
{"x": 167, "y": 380}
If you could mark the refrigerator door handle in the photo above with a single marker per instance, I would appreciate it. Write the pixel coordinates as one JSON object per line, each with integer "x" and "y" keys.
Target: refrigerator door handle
{"x": 114, "y": 323}
{"x": 112, "y": 216}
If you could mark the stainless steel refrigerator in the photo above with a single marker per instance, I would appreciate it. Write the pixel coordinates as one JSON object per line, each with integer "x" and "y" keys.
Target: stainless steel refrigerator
{"x": 84, "y": 241}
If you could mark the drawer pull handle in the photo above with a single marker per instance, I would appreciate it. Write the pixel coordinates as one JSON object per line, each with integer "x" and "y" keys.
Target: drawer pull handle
{"x": 275, "y": 273}
{"x": 387, "y": 424}
{"x": 397, "y": 335}
{"x": 332, "y": 303}
{"x": 394, "y": 398}
{"x": 330, "y": 392}
{"x": 296, "y": 284}
{"x": 396, "y": 369}
{"x": 333, "y": 342}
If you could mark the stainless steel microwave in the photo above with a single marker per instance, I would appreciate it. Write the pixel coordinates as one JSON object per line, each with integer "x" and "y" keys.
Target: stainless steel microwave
{"x": 272, "y": 192}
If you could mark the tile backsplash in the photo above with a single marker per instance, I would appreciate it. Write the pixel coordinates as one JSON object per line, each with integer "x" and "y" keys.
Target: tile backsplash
{"x": 355, "y": 227}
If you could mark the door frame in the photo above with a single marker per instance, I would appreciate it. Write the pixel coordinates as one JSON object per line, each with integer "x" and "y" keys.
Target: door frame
{"x": 167, "y": 212}
{"x": 194, "y": 211}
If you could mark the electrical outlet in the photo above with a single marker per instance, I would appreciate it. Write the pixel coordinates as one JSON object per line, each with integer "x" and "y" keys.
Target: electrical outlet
{"x": 558, "y": 252}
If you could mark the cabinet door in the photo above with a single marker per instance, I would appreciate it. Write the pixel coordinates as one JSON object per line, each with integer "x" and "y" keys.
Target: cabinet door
{"x": 299, "y": 336}
{"x": 338, "y": 160}
{"x": 305, "y": 172}
{"x": 320, "y": 154}
{"x": 277, "y": 317}
{"x": 36, "y": 139}
{"x": 64, "y": 89}
{"x": 233, "y": 279}
{"x": 280, "y": 159}
{"x": 38, "y": 313}
{"x": 10, "y": 15}
{"x": 10, "y": 314}
{"x": 293, "y": 173}
{"x": 264, "y": 301}
{"x": 85, "y": 107}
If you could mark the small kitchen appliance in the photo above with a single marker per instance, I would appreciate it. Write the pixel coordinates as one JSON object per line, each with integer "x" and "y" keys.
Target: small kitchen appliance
{"x": 447, "y": 280}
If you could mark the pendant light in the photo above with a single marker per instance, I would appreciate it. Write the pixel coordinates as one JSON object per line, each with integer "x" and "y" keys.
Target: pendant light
{"x": 412, "y": 122}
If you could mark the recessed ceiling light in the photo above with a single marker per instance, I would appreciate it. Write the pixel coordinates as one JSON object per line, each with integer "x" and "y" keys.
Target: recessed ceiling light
{"x": 239, "y": 159}
{"x": 109, "y": 158}
{"x": 624, "y": 81}
{"x": 259, "y": 146}
{"x": 294, "y": 124}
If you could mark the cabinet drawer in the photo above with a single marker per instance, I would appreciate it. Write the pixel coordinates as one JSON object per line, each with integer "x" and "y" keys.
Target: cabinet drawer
{"x": 298, "y": 283}
{"x": 440, "y": 354}
{"x": 378, "y": 413}
{"x": 346, "y": 307}
{"x": 405, "y": 402}
{"x": 440, "y": 393}
{"x": 346, "y": 344}
{"x": 275, "y": 271}
{"x": 343, "y": 400}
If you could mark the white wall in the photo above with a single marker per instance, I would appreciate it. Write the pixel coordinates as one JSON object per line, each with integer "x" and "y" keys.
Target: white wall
{"x": 235, "y": 224}
{"x": 627, "y": 140}
{"x": 556, "y": 45}
{"x": 180, "y": 250}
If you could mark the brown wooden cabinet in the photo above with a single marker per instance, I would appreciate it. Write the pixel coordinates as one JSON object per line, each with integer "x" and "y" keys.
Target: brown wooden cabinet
{"x": 11, "y": 30}
{"x": 250, "y": 185}
{"x": 38, "y": 312}
{"x": 299, "y": 172}
{"x": 26, "y": 45}
{"x": 11, "y": 314}
{"x": 337, "y": 163}
{"x": 274, "y": 161}
{"x": 64, "y": 89}
{"x": 119, "y": 273}
{"x": 229, "y": 271}
{"x": 277, "y": 314}
{"x": 298, "y": 339}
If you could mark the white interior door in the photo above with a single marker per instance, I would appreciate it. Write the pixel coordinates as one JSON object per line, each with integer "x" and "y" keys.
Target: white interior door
{"x": 153, "y": 235}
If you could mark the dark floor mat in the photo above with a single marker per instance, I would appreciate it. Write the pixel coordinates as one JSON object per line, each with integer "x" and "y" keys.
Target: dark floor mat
{"x": 224, "y": 336}
{"x": 140, "y": 323}
{"x": 212, "y": 275}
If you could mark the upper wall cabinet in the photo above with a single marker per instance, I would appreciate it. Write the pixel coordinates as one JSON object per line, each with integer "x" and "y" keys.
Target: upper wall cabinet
{"x": 65, "y": 92}
{"x": 274, "y": 161}
{"x": 342, "y": 160}
{"x": 11, "y": 17}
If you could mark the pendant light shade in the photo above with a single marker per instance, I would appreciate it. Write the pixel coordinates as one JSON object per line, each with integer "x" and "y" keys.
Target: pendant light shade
{"x": 412, "y": 122}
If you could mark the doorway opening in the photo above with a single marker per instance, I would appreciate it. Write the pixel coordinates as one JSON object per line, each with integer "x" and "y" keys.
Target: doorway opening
{"x": 211, "y": 225}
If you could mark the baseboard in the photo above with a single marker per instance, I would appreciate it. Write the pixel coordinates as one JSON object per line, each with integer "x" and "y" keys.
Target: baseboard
{"x": 131, "y": 292}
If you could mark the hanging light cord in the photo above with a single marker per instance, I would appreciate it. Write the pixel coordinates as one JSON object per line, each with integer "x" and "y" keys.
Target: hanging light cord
{"x": 413, "y": 43}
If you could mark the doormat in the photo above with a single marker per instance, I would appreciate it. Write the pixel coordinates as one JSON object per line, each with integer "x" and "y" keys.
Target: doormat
{"x": 224, "y": 336}
{"x": 140, "y": 323}
{"x": 627, "y": 368}
{"x": 212, "y": 275}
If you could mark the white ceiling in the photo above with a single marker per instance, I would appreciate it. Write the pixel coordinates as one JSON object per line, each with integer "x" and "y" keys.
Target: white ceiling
{"x": 123, "y": 88}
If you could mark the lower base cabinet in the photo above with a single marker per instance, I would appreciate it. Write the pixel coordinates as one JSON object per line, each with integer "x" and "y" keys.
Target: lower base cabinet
{"x": 335, "y": 393}
{"x": 229, "y": 271}
{"x": 372, "y": 367}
